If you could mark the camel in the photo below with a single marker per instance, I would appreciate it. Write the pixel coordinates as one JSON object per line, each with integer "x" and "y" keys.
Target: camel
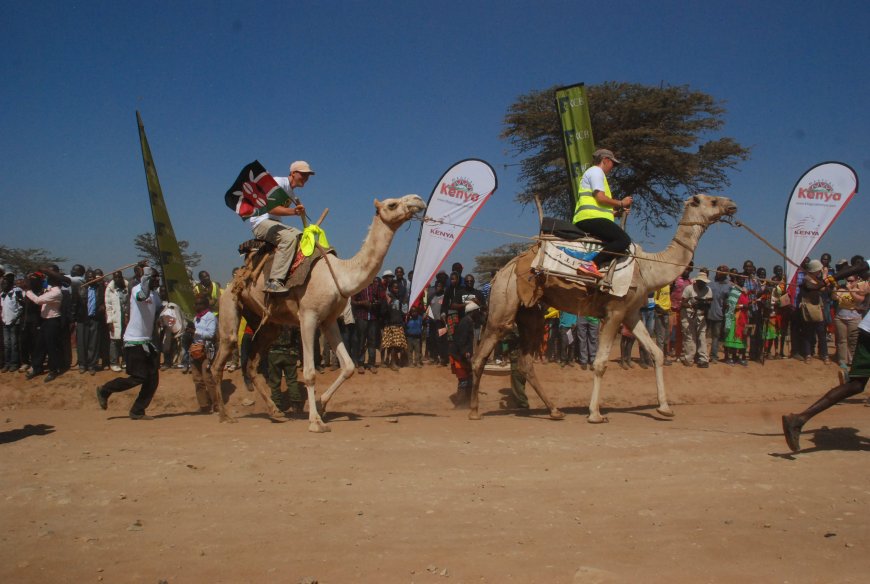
{"x": 317, "y": 303}
{"x": 651, "y": 272}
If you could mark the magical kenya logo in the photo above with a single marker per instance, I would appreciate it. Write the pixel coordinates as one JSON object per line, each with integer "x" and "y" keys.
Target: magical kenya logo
{"x": 820, "y": 190}
{"x": 460, "y": 188}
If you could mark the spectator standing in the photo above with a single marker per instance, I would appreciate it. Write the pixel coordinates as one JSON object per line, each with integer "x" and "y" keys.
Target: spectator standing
{"x": 394, "y": 342}
{"x": 140, "y": 352}
{"x": 414, "y": 334}
{"x": 205, "y": 331}
{"x": 648, "y": 317}
{"x": 813, "y": 329}
{"x": 567, "y": 336}
{"x": 849, "y": 301}
{"x": 437, "y": 343}
{"x": 366, "y": 304}
{"x": 31, "y": 322}
{"x": 461, "y": 348}
{"x": 50, "y": 333}
{"x": 735, "y": 323}
{"x": 211, "y": 290}
{"x": 719, "y": 288}
{"x": 404, "y": 287}
{"x": 90, "y": 318}
{"x": 587, "y": 339}
{"x": 676, "y": 302}
{"x": 662, "y": 298}
{"x": 693, "y": 318}
{"x": 12, "y": 301}
{"x": 117, "y": 303}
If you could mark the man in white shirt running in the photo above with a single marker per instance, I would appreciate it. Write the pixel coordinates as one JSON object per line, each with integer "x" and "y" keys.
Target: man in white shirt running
{"x": 140, "y": 352}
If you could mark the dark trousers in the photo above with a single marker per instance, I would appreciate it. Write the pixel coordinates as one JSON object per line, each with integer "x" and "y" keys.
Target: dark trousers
{"x": 366, "y": 338}
{"x": 48, "y": 343}
{"x": 616, "y": 241}
{"x": 143, "y": 368}
{"x": 88, "y": 343}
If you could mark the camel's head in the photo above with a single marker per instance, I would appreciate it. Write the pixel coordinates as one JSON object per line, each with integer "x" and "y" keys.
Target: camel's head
{"x": 708, "y": 209}
{"x": 394, "y": 212}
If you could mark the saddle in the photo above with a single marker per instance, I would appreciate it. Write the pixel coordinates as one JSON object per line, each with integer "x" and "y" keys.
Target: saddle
{"x": 563, "y": 246}
{"x": 257, "y": 251}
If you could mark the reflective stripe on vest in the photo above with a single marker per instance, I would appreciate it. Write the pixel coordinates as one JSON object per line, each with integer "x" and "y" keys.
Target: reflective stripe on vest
{"x": 588, "y": 207}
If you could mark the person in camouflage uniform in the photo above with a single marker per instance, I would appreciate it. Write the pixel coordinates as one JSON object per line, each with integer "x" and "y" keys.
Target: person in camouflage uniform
{"x": 283, "y": 360}
{"x": 511, "y": 347}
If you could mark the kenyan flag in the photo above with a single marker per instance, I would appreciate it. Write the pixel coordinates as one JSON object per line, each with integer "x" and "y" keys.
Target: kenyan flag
{"x": 255, "y": 192}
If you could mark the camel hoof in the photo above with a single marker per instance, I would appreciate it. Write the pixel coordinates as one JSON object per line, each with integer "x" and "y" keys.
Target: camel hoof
{"x": 318, "y": 427}
{"x": 597, "y": 419}
{"x": 666, "y": 412}
{"x": 556, "y": 414}
{"x": 474, "y": 415}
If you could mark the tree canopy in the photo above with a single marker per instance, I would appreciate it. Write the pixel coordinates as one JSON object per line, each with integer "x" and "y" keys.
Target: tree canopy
{"x": 659, "y": 133}
{"x": 146, "y": 243}
{"x": 23, "y": 261}
{"x": 495, "y": 259}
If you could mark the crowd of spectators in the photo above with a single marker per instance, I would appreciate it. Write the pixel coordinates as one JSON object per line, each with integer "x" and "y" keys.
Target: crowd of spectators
{"x": 736, "y": 317}
{"x": 55, "y": 322}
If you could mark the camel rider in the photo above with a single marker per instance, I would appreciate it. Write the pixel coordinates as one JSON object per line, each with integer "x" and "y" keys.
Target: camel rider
{"x": 269, "y": 228}
{"x": 594, "y": 212}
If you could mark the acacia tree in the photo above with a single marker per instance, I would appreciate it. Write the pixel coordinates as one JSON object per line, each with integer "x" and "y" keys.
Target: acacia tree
{"x": 495, "y": 259}
{"x": 659, "y": 133}
{"x": 146, "y": 243}
{"x": 23, "y": 261}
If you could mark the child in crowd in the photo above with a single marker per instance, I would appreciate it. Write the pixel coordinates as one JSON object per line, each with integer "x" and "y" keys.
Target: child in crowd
{"x": 393, "y": 339}
{"x": 414, "y": 334}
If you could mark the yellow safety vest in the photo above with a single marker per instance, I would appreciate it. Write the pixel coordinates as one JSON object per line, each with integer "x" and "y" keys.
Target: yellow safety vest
{"x": 589, "y": 208}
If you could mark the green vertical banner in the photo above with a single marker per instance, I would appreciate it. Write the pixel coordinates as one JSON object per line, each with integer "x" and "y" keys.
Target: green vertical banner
{"x": 171, "y": 262}
{"x": 573, "y": 108}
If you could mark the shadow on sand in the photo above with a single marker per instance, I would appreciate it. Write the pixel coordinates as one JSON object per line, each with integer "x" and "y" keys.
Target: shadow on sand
{"x": 25, "y": 432}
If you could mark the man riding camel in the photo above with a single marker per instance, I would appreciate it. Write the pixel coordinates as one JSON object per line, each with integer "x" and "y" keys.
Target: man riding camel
{"x": 594, "y": 212}
{"x": 268, "y": 227}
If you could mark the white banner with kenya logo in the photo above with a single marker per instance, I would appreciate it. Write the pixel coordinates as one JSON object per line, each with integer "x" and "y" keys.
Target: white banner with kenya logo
{"x": 817, "y": 199}
{"x": 458, "y": 196}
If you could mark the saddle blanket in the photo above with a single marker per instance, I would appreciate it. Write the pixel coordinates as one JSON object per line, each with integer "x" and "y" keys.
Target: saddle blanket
{"x": 562, "y": 258}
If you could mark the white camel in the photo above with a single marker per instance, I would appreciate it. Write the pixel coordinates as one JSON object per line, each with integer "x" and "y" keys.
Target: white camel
{"x": 317, "y": 303}
{"x": 651, "y": 272}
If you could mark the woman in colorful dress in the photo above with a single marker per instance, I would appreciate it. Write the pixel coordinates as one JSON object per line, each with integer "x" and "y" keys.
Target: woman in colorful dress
{"x": 735, "y": 323}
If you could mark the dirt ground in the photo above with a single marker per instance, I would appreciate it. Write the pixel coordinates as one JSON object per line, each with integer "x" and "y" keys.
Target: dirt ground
{"x": 407, "y": 489}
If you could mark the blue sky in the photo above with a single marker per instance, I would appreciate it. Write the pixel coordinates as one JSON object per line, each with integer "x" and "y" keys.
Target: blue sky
{"x": 381, "y": 97}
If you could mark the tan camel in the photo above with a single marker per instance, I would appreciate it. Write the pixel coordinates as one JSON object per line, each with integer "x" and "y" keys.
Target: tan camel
{"x": 651, "y": 272}
{"x": 318, "y": 303}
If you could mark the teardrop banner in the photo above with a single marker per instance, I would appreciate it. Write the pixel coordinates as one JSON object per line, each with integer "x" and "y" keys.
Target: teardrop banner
{"x": 817, "y": 199}
{"x": 456, "y": 199}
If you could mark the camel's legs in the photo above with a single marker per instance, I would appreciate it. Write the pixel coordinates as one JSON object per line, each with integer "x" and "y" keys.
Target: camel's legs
{"x": 606, "y": 337}
{"x": 228, "y": 324}
{"x": 530, "y": 325}
{"x": 333, "y": 335}
{"x": 488, "y": 340}
{"x": 260, "y": 345}
{"x": 307, "y": 327}
{"x": 649, "y": 344}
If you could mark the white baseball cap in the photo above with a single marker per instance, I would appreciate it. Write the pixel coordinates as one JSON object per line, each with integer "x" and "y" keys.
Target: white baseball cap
{"x": 301, "y": 166}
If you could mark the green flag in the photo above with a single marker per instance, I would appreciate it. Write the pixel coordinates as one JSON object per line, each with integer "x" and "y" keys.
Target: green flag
{"x": 171, "y": 263}
{"x": 573, "y": 108}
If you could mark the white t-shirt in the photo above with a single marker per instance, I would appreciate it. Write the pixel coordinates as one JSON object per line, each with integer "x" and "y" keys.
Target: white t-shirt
{"x": 593, "y": 180}
{"x": 865, "y": 323}
{"x": 142, "y": 315}
{"x": 284, "y": 183}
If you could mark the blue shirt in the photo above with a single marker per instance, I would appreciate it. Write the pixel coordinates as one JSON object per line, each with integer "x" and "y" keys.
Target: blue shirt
{"x": 414, "y": 326}
{"x": 92, "y": 301}
{"x": 567, "y": 320}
